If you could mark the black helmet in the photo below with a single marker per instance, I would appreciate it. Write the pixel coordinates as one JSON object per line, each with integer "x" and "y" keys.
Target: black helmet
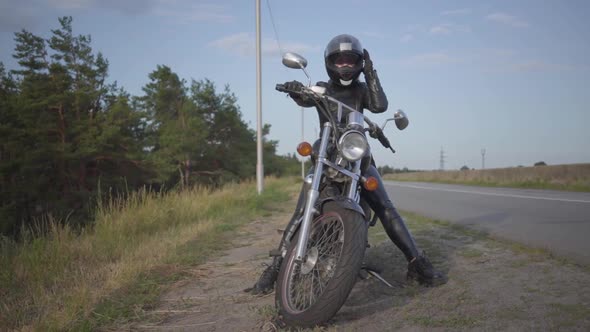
{"x": 344, "y": 59}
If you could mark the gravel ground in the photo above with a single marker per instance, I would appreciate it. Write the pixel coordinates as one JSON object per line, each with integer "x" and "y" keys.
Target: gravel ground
{"x": 493, "y": 285}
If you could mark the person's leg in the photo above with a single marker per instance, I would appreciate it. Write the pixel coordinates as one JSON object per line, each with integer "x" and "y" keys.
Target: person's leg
{"x": 390, "y": 219}
{"x": 419, "y": 267}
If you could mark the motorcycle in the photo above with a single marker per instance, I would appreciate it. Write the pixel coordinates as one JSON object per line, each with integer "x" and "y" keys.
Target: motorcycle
{"x": 325, "y": 249}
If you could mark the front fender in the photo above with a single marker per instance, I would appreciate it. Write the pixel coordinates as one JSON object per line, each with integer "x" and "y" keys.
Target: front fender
{"x": 345, "y": 202}
{"x": 293, "y": 226}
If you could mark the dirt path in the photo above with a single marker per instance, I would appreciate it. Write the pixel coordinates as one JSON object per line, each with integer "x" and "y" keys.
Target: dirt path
{"x": 494, "y": 285}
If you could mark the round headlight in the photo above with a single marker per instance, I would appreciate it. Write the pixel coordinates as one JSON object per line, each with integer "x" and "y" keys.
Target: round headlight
{"x": 353, "y": 145}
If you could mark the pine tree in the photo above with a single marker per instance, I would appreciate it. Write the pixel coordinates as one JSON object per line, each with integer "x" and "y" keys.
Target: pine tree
{"x": 12, "y": 133}
{"x": 65, "y": 131}
{"x": 67, "y": 128}
{"x": 176, "y": 130}
{"x": 230, "y": 151}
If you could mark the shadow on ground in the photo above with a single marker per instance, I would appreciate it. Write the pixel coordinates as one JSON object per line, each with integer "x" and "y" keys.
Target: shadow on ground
{"x": 370, "y": 296}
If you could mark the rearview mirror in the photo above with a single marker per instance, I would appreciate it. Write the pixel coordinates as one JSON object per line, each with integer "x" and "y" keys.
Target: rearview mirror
{"x": 294, "y": 61}
{"x": 401, "y": 120}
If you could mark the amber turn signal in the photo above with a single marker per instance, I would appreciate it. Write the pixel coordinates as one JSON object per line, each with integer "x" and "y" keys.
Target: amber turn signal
{"x": 304, "y": 149}
{"x": 371, "y": 183}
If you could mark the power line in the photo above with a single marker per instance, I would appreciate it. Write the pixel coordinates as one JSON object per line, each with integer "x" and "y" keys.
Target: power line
{"x": 272, "y": 21}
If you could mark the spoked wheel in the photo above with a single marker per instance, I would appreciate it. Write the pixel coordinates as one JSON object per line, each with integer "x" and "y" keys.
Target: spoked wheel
{"x": 308, "y": 280}
{"x": 311, "y": 292}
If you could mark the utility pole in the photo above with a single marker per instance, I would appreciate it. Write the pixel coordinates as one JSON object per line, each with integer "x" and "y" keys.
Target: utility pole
{"x": 483, "y": 158}
{"x": 259, "y": 165}
{"x": 442, "y": 159}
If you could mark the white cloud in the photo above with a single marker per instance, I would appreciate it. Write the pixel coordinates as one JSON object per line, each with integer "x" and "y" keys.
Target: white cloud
{"x": 495, "y": 60}
{"x": 501, "y": 52}
{"x": 539, "y": 65}
{"x": 180, "y": 11}
{"x": 442, "y": 29}
{"x": 448, "y": 28}
{"x": 71, "y": 4}
{"x": 244, "y": 44}
{"x": 462, "y": 11}
{"x": 430, "y": 59}
{"x": 187, "y": 11}
{"x": 511, "y": 61}
{"x": 131, "y": 7}
{"x": 15, "y": 16}
{"x": 506, "y": 19}
{"x": 408, "y": 37}
{"x": 373, "y": 34}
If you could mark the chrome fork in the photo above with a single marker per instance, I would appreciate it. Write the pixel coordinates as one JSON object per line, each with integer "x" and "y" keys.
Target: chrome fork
{"x": 312, "y": 195}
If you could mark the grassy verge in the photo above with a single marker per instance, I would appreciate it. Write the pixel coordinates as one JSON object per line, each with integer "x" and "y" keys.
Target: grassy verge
{"x": 558, "y": 177}
{"x": 107, "y": 276}
{"x": 494, "y": 284}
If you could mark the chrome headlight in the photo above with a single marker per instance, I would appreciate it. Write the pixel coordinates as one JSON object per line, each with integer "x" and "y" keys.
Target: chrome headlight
{"x": 353, "y": 145}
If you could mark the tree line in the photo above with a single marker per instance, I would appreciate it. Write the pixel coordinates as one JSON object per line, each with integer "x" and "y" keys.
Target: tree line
{"x": 69, "y": 135}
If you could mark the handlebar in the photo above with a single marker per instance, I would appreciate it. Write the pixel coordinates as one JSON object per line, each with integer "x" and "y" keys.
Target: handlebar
{"x": 375, "y": 130}
{"x": 281, "y": 88}
{"x": 379, "y": 135}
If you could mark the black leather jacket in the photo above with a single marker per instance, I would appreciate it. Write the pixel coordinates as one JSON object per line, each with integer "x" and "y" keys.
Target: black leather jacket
{"x": 358, "y": 95}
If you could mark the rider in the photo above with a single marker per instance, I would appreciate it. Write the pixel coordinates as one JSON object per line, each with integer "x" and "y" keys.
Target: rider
{"x": 344, "y": 57}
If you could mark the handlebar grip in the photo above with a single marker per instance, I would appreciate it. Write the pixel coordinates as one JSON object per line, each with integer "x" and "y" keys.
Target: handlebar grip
{"x": 384, "y": 141}
{"x": 378, "y": 134}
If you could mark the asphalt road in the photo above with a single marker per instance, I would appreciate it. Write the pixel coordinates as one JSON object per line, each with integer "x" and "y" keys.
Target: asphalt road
{"x": 555, "y": 220}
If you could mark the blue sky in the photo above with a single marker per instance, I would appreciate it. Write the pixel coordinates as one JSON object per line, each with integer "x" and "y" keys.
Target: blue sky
{"x": 512, "y": 77}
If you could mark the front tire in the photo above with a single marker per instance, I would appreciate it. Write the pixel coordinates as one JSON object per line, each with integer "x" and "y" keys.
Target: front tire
{"x": 311, "y": 292}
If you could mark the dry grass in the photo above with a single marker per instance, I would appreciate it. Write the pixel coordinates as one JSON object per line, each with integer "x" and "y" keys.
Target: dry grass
{"x": 57, "y": 281}
{"x": 575, "y": 177}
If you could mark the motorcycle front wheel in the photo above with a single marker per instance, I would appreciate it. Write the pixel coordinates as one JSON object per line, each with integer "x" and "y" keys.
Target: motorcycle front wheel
{"x": 309, "y": 293}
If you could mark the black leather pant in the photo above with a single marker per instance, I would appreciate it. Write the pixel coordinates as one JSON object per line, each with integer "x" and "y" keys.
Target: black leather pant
{"x": 390, "y": 219}
{"x": 379, "y": 201}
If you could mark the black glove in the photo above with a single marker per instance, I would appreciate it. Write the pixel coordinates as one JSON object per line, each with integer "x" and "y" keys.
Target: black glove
{"x": 377, "y": 98}
{"x": 375, "y": 132}
{"x": 294, "y": 87}
{"x": 368, "y": 68}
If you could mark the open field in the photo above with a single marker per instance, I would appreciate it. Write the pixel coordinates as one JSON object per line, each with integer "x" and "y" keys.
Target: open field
{"x": 575, "y": 177}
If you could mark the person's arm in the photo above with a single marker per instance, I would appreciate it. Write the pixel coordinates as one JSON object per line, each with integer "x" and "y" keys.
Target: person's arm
{"x": 302, "y": 101}
{"x": 375, "y": 100}
{"x": 305, "y": 101}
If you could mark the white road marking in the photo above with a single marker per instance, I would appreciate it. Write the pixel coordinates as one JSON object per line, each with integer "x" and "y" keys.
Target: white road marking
{"x": 490, "y": 194}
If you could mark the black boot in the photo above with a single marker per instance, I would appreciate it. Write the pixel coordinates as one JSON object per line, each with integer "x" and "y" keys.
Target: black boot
{"x": 266, "y": 282}
{"x": 421, "y": 269}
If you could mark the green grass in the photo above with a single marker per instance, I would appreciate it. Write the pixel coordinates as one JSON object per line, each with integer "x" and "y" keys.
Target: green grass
{"x": 576, "y": 311}
{"x": 470, "y": 253}
{"x": 450, "y": 322}
{"x": 112, "y": 273}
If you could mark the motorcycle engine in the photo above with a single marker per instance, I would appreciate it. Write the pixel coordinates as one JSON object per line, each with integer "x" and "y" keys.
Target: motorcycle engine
{"x": 336, "y": 176}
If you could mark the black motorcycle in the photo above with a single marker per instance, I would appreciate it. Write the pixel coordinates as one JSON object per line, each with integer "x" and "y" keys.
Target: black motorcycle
{"x": 325, "y": 252}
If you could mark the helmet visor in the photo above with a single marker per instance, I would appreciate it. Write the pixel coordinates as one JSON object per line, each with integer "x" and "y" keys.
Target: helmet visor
{"x": 346, "y": 60}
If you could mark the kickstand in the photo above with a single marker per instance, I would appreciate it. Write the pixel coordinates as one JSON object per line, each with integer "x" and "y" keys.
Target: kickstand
{"x": 379, "y": 277}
